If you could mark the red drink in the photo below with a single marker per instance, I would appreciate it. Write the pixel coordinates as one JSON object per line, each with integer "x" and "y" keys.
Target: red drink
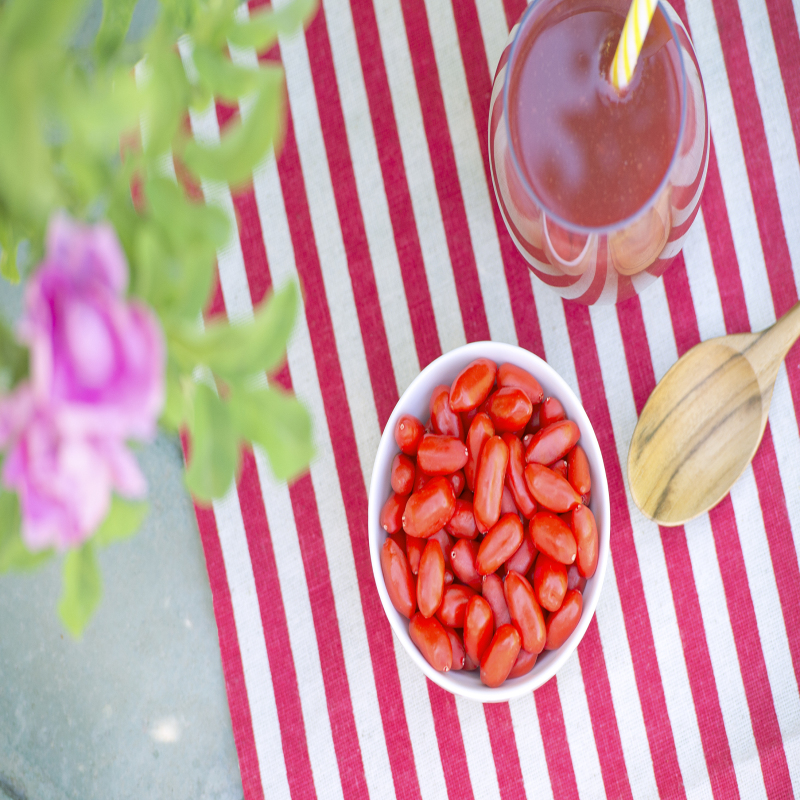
{"x": 597, "y": 189}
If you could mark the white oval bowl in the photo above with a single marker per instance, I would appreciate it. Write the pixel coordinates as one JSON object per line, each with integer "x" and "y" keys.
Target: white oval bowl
{"x": 416, "y": 401}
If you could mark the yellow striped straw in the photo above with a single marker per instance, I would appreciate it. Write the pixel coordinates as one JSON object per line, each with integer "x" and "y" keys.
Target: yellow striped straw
{"x": 630, "y": 43}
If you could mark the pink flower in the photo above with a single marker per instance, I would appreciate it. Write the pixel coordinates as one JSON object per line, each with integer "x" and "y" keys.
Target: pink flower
{"x": 97, "y": 372}
{"x": 64, "y": 479}
{"x": 91, "y": 349}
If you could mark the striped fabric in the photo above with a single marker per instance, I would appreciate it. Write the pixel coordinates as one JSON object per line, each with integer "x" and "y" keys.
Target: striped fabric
{"x": 380, "y": 204}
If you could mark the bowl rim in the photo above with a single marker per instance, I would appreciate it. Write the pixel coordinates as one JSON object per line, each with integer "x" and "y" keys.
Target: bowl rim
{"x": 447, "y": 367}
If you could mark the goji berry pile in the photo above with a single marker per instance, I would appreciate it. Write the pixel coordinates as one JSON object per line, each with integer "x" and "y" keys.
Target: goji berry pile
{"x": 490, "y": 538}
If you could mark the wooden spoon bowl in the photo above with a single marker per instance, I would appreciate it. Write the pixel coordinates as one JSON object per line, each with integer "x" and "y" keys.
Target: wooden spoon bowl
{"x": 703, "y": 423}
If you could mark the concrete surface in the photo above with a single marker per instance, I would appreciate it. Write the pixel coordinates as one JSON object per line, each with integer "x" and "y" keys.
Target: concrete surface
{"x": 137, "y": 709}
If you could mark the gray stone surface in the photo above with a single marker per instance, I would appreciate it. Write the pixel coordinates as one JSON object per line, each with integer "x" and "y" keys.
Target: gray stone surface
{"x": 137, "y": 708}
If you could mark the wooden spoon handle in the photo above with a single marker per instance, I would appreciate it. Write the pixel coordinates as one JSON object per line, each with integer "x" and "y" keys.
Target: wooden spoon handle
{"x": 768, "y": 351}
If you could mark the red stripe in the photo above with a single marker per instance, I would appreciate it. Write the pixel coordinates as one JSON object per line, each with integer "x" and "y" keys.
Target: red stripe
{"x": 337, "y": 691}
{"x": 513, "y": 9}
{"x": 787, "y": 45}
{"x": 479, "y": 81}
{"x": 345, "y": 453}
{"x": 276, "y": 632}
{"x": 238, "y": 702}
{"x": 351, "y": 221}
{"x": 772, "y": 501}
{"x": 782, "y": 284}
{"x": 756, "y": 156}
{"x": 681, "y": 308}
{"x": 748, "y": 648}
{"x": 601, "y": 711}
{"x": 784, "y": 294}
{"x": 451, "y": 743}
{"x": 765, "y": 468}
{"x": 387, "y": 141}
{"x": 305, "y": 507}
{"x": 252, "y": 241}
{"x": 626, "y": 565}
{"x": 504, "y": 749}
{"x": 723, "y": 253}
{"x": 676, "y": 554}
{"x": 554, "y": 741}
{"x": 448, "y": 188}
{"x": 702, "y": 683}
{"x": 779, "y": 536}
{"x": 773, "y": 508}
{"x": 329, "y": 643}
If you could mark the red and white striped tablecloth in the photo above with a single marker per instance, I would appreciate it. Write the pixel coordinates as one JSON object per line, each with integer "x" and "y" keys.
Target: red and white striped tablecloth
{"x": 380, "y": 204}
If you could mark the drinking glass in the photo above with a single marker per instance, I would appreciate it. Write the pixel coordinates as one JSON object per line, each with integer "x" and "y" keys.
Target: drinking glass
{"x": 611, "y": 262}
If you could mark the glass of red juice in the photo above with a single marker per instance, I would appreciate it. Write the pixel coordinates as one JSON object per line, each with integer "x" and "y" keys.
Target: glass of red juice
{"x": 597, "y": 188}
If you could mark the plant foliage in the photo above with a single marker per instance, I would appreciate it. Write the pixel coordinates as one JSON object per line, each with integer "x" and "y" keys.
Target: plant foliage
{"x": 84, "y": 129}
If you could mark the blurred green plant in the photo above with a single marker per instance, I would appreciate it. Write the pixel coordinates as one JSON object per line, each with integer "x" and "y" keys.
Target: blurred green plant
{"x": 80, "y": 128}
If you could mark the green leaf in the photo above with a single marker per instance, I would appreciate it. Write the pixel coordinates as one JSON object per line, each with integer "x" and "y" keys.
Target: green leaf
{"x": 117, "y": 16}
{"x": 124, "y": 518}
{"x": 13, "y": 359}
{"x": 13, "y": 553}
{"x": 215, "y": 446}
{"x": 247, "y": 142}
{"x": 175, "y": 403}
{"x": 83, "y": 588}
{"x": 8, "y": 253}
{"x": 239, "y": 351}
{"x": 167, "y": 95}
{"x": 280, "y": 424}
{"x": 263, "y": 27}
{"x": 222, "y": 77}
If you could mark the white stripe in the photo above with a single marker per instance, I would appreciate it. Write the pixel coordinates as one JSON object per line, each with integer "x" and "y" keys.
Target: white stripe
{"x": 655, "y": 580}
{"x": 252, "y": 648}
{"x": 419, "y": 174}
{"x": 663, "y": 352}
{"x": 776, "y": 120}
{"x": 724, "y": 658}
{"x": 330, "y": 249}
{"x": 494, "y": 30}
{"x": 730, "y": 158}
{"x": 624, "y": 690}
{"x": 371, "y": 192}
{"x": 578, "y": 725}
{"x": 478, "y": 749}
{"x": 649, "y": 550}
{"x": 421, "y": 728}
{"x": 555, "y": 337}
{"x": 783, "y": 423}
{"x": 300, "y": 624}
{"x": 418, "y": 713}
{"x": 291, "y": 576}
{"x": 289, "y": 562}
{"x": 787, "y": 444}
{"x": 530, "y": 749}
{"x": 702, "y": 280}
{"x": 770, "y": 620}
{"x": 471, "y": 173}
{"x": 325, "y": 479}
{"x": 238, "y": 569}
{"x": 354, "y": 646}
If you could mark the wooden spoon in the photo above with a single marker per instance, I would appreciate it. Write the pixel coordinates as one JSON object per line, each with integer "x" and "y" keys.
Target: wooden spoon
{"x": 703, "y": 423}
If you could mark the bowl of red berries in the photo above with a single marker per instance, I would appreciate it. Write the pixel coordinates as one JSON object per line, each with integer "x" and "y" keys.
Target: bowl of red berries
{"x": 489, "y": 521}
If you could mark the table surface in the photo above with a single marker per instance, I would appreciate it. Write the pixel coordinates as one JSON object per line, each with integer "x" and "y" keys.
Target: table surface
{"x": 379, "y": 203}
{"x": 686, "y": 683}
